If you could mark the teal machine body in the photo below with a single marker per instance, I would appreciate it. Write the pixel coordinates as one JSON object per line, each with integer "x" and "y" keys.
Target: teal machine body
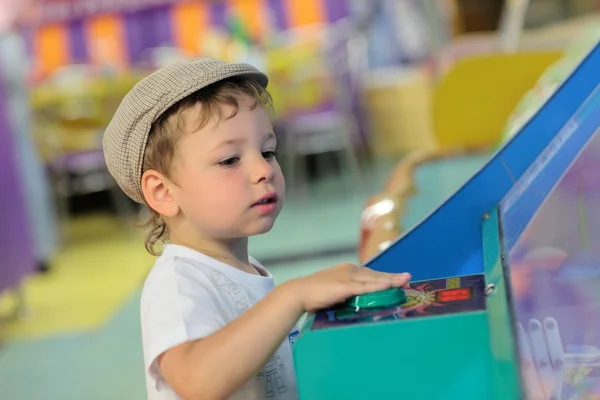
{"x": 505, "y": 299}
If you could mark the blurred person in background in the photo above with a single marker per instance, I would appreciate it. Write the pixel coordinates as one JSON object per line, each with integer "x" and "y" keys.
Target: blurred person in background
{"x": 14, "y": 70}
{"x": 396, "y": 31}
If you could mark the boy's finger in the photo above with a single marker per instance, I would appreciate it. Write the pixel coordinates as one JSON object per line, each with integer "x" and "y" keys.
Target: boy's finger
{"x": 401, "y": 279}
{"x": 373, "y": 276}
{"x": 367, "y": 287}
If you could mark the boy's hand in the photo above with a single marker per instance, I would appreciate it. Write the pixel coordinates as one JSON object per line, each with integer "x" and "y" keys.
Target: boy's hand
{"x": 334, "y": 285}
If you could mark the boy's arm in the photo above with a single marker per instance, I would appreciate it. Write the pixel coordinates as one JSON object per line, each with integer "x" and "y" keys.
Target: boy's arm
{"x": 216, "y": 366}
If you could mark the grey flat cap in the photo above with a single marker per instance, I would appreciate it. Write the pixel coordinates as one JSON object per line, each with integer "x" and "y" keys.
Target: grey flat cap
{"x": 125, "y": 138}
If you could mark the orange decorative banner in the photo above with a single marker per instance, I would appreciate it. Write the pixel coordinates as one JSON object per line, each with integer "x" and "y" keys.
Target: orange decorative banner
{"x": 190, "y": 22}
{"x": 105, "y": 40}
{"x": 51, "y": 44}
{"x": 304, "y": 12}
{"x": 252, "y": 13}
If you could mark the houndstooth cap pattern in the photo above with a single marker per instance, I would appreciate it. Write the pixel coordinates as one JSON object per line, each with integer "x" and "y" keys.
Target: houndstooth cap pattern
{"x": 125, "y": 137}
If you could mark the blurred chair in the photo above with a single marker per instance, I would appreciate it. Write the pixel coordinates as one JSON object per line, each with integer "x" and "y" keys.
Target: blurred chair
{"x": 473, "y": 101}
{"x": 71, "y": 114}
{"x": 314, "y": 86}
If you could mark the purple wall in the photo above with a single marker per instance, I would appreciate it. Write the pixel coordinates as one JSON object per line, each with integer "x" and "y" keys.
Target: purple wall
{"x": 336, "y": 9}
{"x": 218, "y": 14}
{"x": 79, "y": 53}
{"x": 147, "y": 29}
{"x": 278, "y": 14}
{"x": 16, "y": 249}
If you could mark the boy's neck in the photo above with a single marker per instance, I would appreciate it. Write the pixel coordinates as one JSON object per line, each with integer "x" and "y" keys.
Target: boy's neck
{"x": 233, "y": 252}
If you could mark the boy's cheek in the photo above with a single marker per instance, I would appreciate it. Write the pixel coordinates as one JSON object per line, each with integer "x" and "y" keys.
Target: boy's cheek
{"x": 281, "y": 186}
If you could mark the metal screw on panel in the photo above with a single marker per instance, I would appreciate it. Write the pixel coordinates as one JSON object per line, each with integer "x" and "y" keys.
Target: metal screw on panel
{"x": 489, "y": 289}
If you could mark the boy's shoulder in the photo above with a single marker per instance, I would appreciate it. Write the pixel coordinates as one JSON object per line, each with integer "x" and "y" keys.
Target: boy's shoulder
{"x": 179, "y": 267}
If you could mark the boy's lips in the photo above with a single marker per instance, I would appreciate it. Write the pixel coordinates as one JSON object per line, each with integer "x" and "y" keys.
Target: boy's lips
{"x": 267, "y": 204}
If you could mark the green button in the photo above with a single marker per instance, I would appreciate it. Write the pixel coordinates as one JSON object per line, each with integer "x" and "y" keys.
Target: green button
{"x": 385, "y": 298}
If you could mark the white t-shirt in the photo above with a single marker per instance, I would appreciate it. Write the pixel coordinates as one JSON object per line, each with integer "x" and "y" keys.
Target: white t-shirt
{"x": 188, "y": 296}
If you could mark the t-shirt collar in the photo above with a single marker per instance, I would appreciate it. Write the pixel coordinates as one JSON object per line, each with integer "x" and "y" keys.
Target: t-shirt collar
{"x": 174, "y": 250}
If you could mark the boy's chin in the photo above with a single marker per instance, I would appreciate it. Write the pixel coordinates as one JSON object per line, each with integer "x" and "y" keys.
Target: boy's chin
{"x": 259, "y": 229}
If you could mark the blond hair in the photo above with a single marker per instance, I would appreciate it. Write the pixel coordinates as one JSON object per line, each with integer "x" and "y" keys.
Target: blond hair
{"x": 161, "y": 149}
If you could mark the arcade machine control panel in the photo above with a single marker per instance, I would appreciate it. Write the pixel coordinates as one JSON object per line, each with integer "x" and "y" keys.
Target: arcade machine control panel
{"x": 420, "y": 299}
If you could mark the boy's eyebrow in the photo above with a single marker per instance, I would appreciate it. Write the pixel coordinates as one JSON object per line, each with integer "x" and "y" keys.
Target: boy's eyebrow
{"x": 269, "y": 135}
{"x": 228, "y": 142}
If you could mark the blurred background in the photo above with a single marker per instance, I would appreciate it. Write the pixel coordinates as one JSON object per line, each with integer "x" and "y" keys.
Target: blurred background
{"x": 383, "y": 107}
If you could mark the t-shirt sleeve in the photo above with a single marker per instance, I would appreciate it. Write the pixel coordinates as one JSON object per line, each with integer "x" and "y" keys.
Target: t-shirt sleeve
{"x": 178, "y": 305}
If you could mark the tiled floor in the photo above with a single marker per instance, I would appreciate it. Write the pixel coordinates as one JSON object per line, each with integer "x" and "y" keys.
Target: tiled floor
{"x": 106, "y": 364}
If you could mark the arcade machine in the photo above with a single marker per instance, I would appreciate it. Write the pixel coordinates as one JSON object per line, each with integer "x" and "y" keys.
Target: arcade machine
{"x": 505, "y": 298}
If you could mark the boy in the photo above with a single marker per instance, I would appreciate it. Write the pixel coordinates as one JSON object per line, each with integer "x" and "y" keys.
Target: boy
{"x": 194, "y": 142}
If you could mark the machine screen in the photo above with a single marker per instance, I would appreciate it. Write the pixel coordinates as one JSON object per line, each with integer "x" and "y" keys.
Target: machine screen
{"x": 550, "y": 229}
{"x": 427, "y": 298}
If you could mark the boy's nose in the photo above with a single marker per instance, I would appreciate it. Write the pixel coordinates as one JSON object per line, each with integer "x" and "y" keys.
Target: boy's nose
{"x": 263, "y": 171}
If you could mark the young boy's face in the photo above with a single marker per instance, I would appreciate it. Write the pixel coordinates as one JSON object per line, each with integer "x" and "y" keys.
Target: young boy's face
{"x": 224, "y": 169}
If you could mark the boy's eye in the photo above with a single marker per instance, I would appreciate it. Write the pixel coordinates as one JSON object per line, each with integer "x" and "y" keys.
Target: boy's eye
{"x": 230, "y": 162}
{"x": 269, "y": 155}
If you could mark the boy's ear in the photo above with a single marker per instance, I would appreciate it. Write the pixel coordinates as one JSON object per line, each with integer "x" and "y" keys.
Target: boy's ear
{"x": 156, "y": 189}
